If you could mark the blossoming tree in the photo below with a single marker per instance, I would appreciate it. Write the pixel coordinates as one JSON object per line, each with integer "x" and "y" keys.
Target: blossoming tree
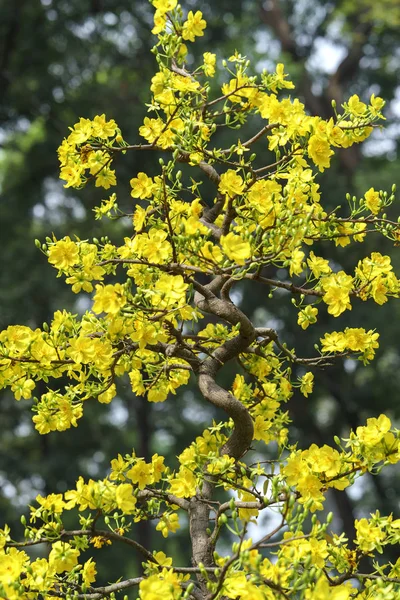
{"x": 173, "y": 319}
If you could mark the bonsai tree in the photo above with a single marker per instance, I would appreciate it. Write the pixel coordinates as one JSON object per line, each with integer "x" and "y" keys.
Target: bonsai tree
{"x": 165, "y": 313}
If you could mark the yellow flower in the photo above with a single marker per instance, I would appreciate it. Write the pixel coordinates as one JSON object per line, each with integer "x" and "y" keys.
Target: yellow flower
{"x": 136, "y": 380}
{"x": 164, "y": 5}
{"x": 320, "y": 152}
{"x": 162, "y": 558}
{"x": 22, "y": 388}
{"x": 261, "y": 427}
{"x": 376, "y": 104}
{"x": 235, "y": 248}
{"x": 356, "y": 107}
{"x": 307, "y": 384}
{"x": 64, "y": 253}
{"x": 142, "y": 186}
{"x": 170, "y": 290}
{"x": 296, "y": 262}
{"x": 106, "y": 396}
{"x": 63, "y": 557}
{"x": 231, "y": 184}
{"x": 125, "y": 499}
{"x": 309, "y": 487}
{"x": 279, "y": 79}
{"x": 167, "y": 523}
{"x": 375, "y": 430}
{"x": 81, "y": 349}
{"x": 209, "y": 64}
{"x": 41, "y": 576}
{"x": 193, "y": 26}
{"x": 211, "y": 253}
{"x": 157, "y": 464}
{"x": 337, "y": 288}
{"x": 103, "y": 128}
{"x": 109, "y": 298}
{"x": 372, "y": 201}
{"x": 11, "y": 567}
{"x": 154, "y": 246}
{"x": 324, "y": 591}
{"x": 368, "y": 537}
{"x": 151, "y": 129}
{"x": 307, "y": 316}
{"x": 334, "y": 342}
{"x": 155, "y": 587}
{"x": 72, "y": 174}
{"x": 296, "y": 467}
{"x": 358, "y": 340}
{"x": 106, "y": 178}
{"x": 53, "y": 503}
{"x": 141, "y": 474}
{"x": 139, "y": 217}
{"x": 324, "y": 460}
{"x": 89, "y": 572}
{"x": 81, "y": 132}
{"x": 318, "y": 265}
{"x": 4, "y": 536}
{"x": 184, "y": 484}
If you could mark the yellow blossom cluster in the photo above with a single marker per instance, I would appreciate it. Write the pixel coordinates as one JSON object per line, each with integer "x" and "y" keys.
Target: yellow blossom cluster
{"x": 83, "y": 154}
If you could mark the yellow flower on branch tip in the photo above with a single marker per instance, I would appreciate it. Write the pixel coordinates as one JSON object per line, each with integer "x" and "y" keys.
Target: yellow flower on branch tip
{"x": 162, "y": 558}
{"x": 72, "y": 174}
{"x": 235, "y": 248}
{"x": 54, "y": 503}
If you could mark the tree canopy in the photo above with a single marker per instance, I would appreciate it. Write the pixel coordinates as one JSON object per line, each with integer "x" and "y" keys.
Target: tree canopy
{"x": 210, "y": 218}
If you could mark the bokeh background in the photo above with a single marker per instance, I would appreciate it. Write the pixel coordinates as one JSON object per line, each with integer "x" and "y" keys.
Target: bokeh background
{"x": 64, "y": 59}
